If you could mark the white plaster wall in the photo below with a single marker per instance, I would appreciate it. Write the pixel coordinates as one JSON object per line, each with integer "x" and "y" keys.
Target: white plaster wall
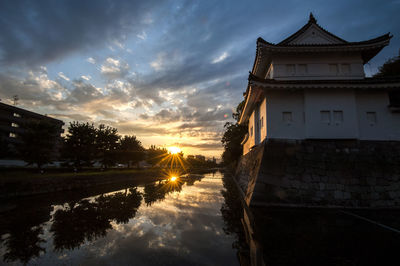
{"x": 387, "y": 126}
{"x": 278, "y": 102}
{"x": 251, "y": 125}
{"x": 263, "y": 117}
{"x": 318, "y": 67}
{"x": 340, "y": 100}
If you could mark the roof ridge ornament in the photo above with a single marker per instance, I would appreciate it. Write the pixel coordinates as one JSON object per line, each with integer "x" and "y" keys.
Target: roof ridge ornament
{"x": 312, "y": 18}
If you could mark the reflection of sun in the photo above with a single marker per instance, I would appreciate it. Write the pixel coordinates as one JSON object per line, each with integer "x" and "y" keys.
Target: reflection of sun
{"x": 173, "y": 178}
{"x": 174, "y": 150}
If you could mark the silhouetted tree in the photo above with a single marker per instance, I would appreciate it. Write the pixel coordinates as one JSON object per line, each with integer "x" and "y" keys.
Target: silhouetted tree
{"x": 390, "y": 68}
{"x": 130, "y": 151}
{"x": 232, "y": 138}
{"x": 156, "y": 155}
{"x": 80, "y": 144}
{"x": 106, "y": 145}
{"x": 38, "y": 142}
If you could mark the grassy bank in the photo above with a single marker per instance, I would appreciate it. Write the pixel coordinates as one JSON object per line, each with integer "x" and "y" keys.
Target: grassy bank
{"x": 18, "y": 183}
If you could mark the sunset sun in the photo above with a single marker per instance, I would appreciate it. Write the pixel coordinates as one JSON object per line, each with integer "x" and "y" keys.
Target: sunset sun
{"x": 174, "y": 150}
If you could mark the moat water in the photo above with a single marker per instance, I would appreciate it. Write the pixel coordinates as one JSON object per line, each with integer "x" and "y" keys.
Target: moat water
{"x": 161, "y": 223}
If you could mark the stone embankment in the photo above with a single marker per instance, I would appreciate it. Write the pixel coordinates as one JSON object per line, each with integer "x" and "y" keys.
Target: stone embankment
{"x": 315, "y": 173}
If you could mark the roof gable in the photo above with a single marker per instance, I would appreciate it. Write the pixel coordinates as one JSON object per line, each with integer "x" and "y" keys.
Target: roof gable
{"x": 310, "y": 34}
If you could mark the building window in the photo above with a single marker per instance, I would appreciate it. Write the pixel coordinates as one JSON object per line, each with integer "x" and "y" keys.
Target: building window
{"x": 14, "y": 125}
{"x": 346, "y": 69}
{"x": 371, "y": 118}
{"x": 394, "y": 99}
{"x": 333, "y": 69}
{"x": 13, "y": 135}
{"x": 251, "y": 131}
{"x": 326, "y": 117}
{"x": 287, "y": 117}
{"x": 338, "y": 117}
{"x": 262, "y": 122}
{"x": 302, "y": 69}
{"x": 17, "y": 115}
{"x": 290, "y": 69}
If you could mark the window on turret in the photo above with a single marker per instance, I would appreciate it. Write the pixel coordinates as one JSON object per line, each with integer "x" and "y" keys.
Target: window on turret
{"x": 17, "y": 115}
{"x": 325, "y": 117}
{"x": 14, "y": 125}
{"x": 251, "y": 131}
{"x": 13, "y": 135}
{"x": 394, "y": 99}
{"x": 371, "y": 118}
{"x": 302, "y": 69}
{"x": 290, "y": 69}
{"x": 345, "y": 69}
{"x": 333, "y": 69}
{"x": 338, "y": 117}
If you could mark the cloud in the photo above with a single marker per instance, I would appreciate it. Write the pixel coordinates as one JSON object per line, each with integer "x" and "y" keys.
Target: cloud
{"x": 114, "y": 68}
{"x": 87, "y": 78}
{"x": 34, "y": 33}
{"x": 142, "y": 35}
{"x": 91, "y": 60}
{"x": 61, "y": 75}
{"x": 220, "y": 58}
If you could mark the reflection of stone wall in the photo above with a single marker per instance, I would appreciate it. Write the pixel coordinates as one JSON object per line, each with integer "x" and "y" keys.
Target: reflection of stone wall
{"x": 322, "y": 173}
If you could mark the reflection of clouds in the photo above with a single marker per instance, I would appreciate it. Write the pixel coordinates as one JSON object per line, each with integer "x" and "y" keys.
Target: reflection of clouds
{"x": 184, "y": 229}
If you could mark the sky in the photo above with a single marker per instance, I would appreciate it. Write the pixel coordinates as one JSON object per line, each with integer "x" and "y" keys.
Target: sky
{"x": 168, "y": 72}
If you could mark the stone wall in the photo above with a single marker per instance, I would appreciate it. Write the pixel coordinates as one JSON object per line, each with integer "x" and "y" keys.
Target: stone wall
{"x": 328, "y": 173}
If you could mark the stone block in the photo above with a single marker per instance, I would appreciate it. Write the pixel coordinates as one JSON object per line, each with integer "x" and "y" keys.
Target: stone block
{"x": 340, "y": 187}
{"x": 339, "y": 195}
{"x": 321, "y": 186}
{"x": 392, "y": 194}
{"x": 346, "y": 195}
{"x": 371, "y": 181}
{"x": 330, "y": 186}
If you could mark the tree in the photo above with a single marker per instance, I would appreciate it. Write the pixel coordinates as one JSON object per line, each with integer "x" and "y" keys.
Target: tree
{"x": 38, "y": 142}
{"x": 390, "y": 68}
{"x": 130, "y": 150}
{"x": 156, "y": 155}
{"x": 80, "y": 144}
{"x": 106, "y": 145}
{"x": 232, "y": 138}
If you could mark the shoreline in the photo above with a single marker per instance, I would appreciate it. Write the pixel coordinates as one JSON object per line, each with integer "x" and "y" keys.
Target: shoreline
{"x": 23, "y": 184}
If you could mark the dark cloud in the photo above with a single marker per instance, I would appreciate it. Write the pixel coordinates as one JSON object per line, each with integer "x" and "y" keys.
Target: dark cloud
{"x": 36, "y": 32}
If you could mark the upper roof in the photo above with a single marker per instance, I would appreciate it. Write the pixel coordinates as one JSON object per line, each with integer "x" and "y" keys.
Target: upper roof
{"x": 313, "y": 38}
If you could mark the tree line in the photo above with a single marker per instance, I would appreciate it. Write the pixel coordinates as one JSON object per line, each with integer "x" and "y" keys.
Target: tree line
{"x": 85, "y": 145}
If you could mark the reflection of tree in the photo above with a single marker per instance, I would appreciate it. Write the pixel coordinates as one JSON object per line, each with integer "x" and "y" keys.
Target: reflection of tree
{"x": 191, "y": 179}
{"x": 232, "y": 213}
{"x": 77, "y": 222}
{"x": 120, "y": 206}
{"x": 23, "y": 244}
{"x": 157, "y": 191}
{"x": 23, "y": 241}
{"x": 89, "y": 220}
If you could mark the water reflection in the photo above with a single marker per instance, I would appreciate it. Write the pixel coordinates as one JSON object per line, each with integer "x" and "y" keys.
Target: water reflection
{"x": 89, "y": 220}
{"x": 22, "y": 237}
{"x": 179, "y": 223}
